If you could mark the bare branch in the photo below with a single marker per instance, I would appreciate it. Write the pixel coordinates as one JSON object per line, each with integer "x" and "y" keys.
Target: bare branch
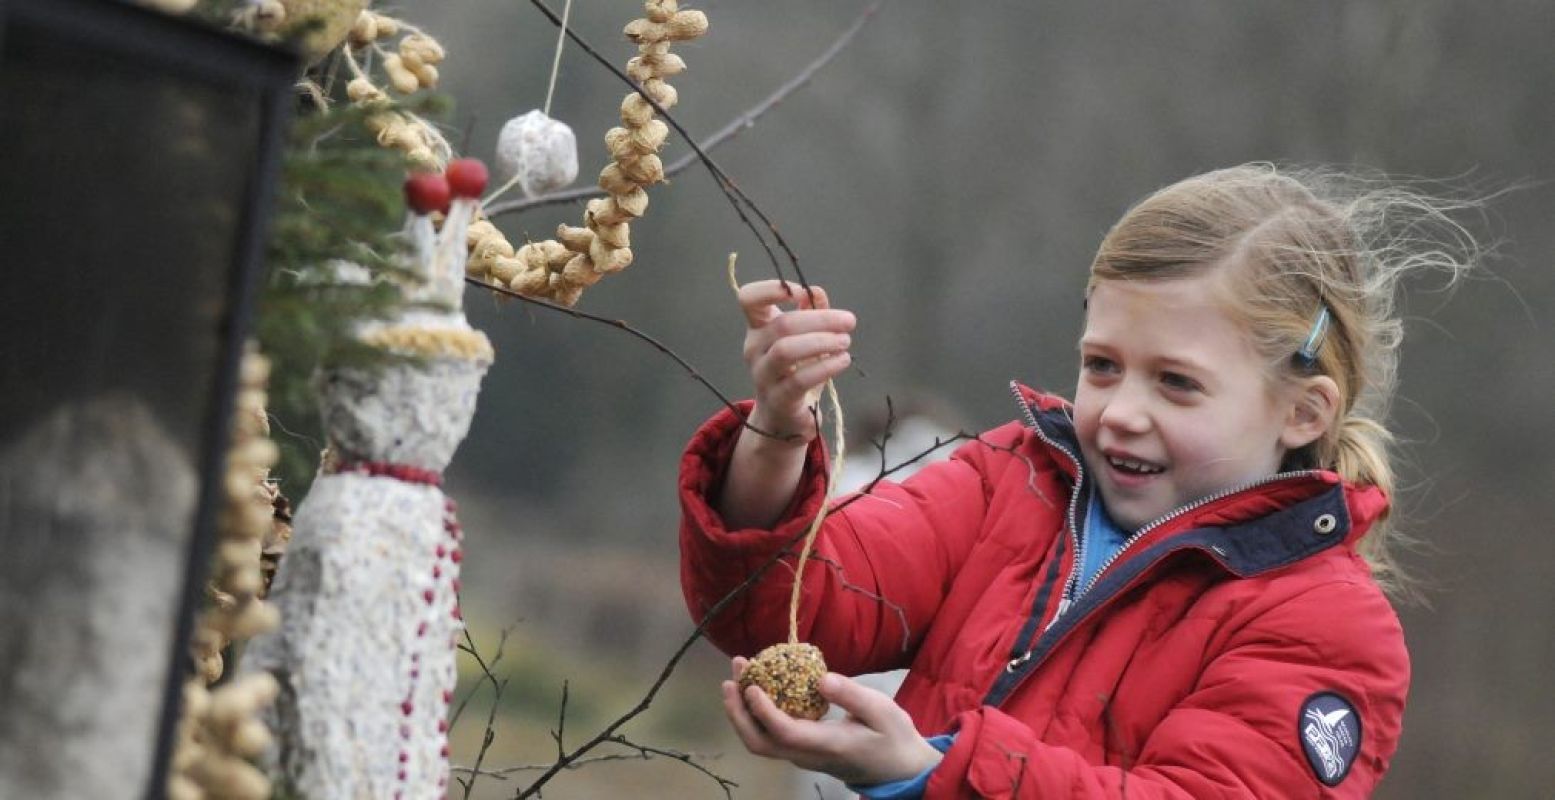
{"x": 561, "y": 724}
{"x": 644, "y": 753}
{"x": 469, "y": 647}
{"x": 729, "y": 131}
{"x": 497, "y": 686}
{"x": 737, "y": 198}
{"x": 684, "y": 758}
{"x": 660, "y": 346}
{"x": 901, "y": 613}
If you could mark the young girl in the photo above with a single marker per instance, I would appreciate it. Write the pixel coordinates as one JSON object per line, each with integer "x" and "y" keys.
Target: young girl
{"x": 1169, "y": 588}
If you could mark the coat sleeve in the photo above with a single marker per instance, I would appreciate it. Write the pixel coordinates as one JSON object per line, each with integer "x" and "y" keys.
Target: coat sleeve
{"x": 1239, "y": 733}
{"x": 881, "y": 566}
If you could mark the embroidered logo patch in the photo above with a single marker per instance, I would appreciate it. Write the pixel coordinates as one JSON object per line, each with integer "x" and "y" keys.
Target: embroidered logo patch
{"x": 1330, "y": 733}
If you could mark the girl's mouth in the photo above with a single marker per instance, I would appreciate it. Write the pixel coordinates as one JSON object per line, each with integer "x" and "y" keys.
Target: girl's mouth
{"x": 1131, "y": 466}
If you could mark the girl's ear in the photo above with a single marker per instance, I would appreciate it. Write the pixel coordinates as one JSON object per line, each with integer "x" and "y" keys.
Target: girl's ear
{"x": 1314, "y": 412}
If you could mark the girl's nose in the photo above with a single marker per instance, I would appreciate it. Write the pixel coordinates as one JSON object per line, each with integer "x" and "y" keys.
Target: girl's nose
{"x": 1126, "y": 411}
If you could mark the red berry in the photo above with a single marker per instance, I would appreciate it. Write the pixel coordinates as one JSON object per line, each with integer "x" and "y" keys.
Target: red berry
{"x": 467, "y": 177}
{"x": 427, "y": 596}
{"x": 426, "y": 192}
{"x": 406, "y": 707}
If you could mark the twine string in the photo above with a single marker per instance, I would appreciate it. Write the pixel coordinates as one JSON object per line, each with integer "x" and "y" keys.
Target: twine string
{"x": 839, "y": 447}
{"x": 556, "y": 61}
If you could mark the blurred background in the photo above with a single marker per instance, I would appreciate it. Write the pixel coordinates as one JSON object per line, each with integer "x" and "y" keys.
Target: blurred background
{"x": 948, "y": 177}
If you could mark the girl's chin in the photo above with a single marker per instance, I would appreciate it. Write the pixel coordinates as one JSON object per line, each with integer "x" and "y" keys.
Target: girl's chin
{"x": 1130, "y": 507}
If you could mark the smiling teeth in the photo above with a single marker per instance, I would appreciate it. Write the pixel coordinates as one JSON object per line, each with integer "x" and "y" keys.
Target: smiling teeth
{"x": 1134, "y": 466}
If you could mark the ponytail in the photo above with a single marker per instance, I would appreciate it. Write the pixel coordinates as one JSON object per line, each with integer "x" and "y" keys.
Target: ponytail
{"x": 1361, "y": 456}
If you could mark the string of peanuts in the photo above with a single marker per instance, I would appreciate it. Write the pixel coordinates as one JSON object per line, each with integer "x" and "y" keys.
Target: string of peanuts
{"x": 411, "y": 68}
{"x": 321, "y": 26}
{"x": 560, "y": 269}
{"x": 219, "y": 732}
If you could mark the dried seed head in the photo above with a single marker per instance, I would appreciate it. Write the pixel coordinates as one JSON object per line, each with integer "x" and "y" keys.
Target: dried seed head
{"x": 791, "y": 675}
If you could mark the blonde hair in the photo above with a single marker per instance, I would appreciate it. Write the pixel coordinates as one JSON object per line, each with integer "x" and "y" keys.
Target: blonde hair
{"x": 1294, "y": 242}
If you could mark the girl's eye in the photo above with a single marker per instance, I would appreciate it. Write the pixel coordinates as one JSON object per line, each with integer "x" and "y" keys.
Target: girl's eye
{"x": 1099, "y": 364}
{"x": 1178, "y": 382}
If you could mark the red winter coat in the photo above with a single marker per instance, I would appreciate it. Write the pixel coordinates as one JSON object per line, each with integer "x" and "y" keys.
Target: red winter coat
{"x": 1241, "y": 649}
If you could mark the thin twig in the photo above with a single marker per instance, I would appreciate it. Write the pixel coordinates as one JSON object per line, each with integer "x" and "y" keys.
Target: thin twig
{"x": 684, "y": 758}
{"x": 487, "y": 668}
{"x": 487, "y": 738}
{"x": 561, "y": 724}
{"x": 901, "y": 613}
{"x": 644, "y": 753}
{"x": 731, "y": 191}
{"x": 497, "y": 686}
{"x": 660, "y": 346}
{"x": 503, "y": 773}
{"x": 736, "y": 126}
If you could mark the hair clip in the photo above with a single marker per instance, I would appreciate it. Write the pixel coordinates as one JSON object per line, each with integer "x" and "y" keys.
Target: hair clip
{"x": 1306, "y": 357}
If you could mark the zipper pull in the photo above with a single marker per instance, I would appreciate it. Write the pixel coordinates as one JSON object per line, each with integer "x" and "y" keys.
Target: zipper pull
{"x": 1015, "y": 663}
{"x": 1063, "y": 606}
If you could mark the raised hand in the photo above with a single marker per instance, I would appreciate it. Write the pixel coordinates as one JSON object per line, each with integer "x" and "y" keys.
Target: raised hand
{"x": 791, "y": 354}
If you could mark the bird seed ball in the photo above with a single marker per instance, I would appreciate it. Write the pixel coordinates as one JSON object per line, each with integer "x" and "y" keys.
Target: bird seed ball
{"x": 791, "y": 675}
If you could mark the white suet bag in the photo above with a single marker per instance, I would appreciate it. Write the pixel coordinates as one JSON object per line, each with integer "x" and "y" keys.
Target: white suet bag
{"x": 539, "y": 151}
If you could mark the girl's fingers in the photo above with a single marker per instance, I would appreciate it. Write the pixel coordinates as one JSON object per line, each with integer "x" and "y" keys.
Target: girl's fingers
{"x": 778, "y": 728}
{"x": 740, "y": 718}
{"x": 788, "y": 392}
{"x": 794, "y": 323}
{"x": 872, "y": 709}
{"x": 788, "y": 354}
{"x": 759, "y": 299}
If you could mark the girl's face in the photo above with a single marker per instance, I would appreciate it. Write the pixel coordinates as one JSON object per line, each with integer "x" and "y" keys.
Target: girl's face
{"x": 1173, "y": 403}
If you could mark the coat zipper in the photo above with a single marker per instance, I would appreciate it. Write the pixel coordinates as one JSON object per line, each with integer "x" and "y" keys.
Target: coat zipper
{"x": 1184, "y": 509}
{"x": 1075, "y": 540}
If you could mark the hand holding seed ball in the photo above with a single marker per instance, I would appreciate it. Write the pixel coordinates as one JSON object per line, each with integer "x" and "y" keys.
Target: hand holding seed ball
{"x": 873, "y": 743}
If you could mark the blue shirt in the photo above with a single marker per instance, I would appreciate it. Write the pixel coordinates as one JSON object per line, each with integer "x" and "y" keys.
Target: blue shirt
{"x": 906, "y": 788}
{"x": 1103, "y": 539}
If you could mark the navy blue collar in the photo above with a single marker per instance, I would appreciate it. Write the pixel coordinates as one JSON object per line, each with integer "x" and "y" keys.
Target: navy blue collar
{"x": 1257, "y": 545}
